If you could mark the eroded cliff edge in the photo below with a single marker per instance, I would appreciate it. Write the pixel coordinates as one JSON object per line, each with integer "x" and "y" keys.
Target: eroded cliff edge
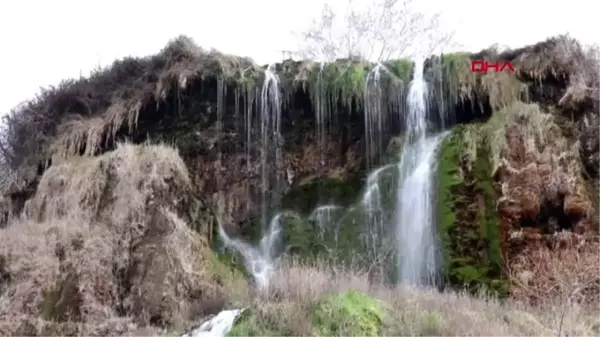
{"x": 207, "y": 105}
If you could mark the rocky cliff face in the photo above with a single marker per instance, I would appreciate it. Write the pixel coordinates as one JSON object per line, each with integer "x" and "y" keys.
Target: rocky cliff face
{"x": 514, "y": 168}
{"x": 523, "y": 180}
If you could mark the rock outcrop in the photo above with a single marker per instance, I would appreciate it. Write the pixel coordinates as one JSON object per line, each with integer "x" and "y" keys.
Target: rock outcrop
{"x": 514, "y": 166}
{"x": 104, "y": 244}
{"x": 524, "y": 179}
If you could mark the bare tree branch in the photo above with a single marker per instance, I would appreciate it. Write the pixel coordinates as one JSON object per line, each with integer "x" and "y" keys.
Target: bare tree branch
{"x": 383, "y": 30}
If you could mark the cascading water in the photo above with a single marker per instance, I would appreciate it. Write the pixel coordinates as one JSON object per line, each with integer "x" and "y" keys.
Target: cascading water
{"x": 414, "y": 220}
{"x": 260, "y": 260}
{"x": 323, "y": 216}
{"x": 270, "y": 140}
{"x": 410, "y": 181}
{"x": 374, "y": 115}
{"x": 321, "y": 115}
{"x": 373, "y": 227}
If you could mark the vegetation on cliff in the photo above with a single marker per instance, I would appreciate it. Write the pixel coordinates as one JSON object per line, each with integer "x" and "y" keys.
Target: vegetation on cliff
{"x": 468, "y": 222}
{"x": 105, "y": 242}
{"x": 507, "y": 188}
{"x": 96, "y": 232}
{"x": 86, "y": 116}
{"x": 323, "y": 299}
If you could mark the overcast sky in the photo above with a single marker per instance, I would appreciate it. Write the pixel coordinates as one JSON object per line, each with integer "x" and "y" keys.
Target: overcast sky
{"x": 46, "y": 41}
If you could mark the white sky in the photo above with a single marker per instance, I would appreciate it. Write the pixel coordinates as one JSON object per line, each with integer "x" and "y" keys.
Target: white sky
{"x": 46, "y": 41}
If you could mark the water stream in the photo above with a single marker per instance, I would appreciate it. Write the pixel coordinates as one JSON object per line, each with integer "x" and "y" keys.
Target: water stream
{"x": 405, "y": 229}
{"x": 414, "y": 210}
{"x": 260, "y": 259}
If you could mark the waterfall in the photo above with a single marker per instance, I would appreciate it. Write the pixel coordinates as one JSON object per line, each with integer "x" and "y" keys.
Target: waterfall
{"x": 270, "y": 143}
{"x": 260, "y": 260}
{"x": 217, "y": 326}
{"x": 374, "y": 115}
{"x": 395, "y": 211}
{"x": 415, "y": 231}
{"x": 323, "y": 216}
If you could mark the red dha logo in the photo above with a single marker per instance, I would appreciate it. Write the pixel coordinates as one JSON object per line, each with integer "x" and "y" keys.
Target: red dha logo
{"x": 482, "y": 66}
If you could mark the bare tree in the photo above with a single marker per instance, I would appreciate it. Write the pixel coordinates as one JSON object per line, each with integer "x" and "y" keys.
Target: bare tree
{"x": 383, "y": 30}
{"x": 560, "y": 280}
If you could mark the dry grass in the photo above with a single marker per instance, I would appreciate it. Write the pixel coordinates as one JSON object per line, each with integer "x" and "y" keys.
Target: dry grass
{"x": 584, "y": 83}
{"x": 558, "y": 278}
{"x": 500, "y": 88}
{"x": 563, "y": 58}
{"x": 538, "y": 166}
{"x": 540, "y": 139}
{"x": 84, "y": 115}
{"x": 285, "y": 308}
{"x": 559, "y": 57}
{"x": 102, "y": 241}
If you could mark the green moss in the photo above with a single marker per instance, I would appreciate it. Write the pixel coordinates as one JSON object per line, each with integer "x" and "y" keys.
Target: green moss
{"x": 449, "y": 179}
{"x": 487, "y": 216}
{"x": 228, "y": 267}
{"x": 301, "y": 238}
{"x": 251, "y": 324}
{"x": 342, "y": 83}
{"x": 469, "y": 225}
{"x": 456, "y": 74}
{"x": 341, "y": 235}
{"x": 350, "y": 313}
{"x": 306, "y": 197}
{"x": 346, "y": 81}
{"x": 403, "y": 68}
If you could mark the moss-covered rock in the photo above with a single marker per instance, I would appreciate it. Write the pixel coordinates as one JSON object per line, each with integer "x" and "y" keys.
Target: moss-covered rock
{"x": 322, "y": 204}
{"x": 301, "y": 238}
{"x": 469, "y": 225}
{"x": 306, "y": 197}
{"x": 250, "y": 325}
{"x": 350, "y": 313}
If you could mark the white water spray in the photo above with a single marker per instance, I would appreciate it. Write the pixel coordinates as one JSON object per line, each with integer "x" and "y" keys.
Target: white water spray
{"x": 217, "y": 326}
{"x": 414, "y": 220}
{"x": 260, "y": 260}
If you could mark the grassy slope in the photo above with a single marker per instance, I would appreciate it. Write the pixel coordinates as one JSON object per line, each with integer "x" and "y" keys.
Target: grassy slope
{"x": 318, "y": 299}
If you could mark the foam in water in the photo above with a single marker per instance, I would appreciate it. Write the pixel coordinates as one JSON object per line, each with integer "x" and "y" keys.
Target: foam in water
{"x": 217, "y": 326}
{"x": 414, "y": 221}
